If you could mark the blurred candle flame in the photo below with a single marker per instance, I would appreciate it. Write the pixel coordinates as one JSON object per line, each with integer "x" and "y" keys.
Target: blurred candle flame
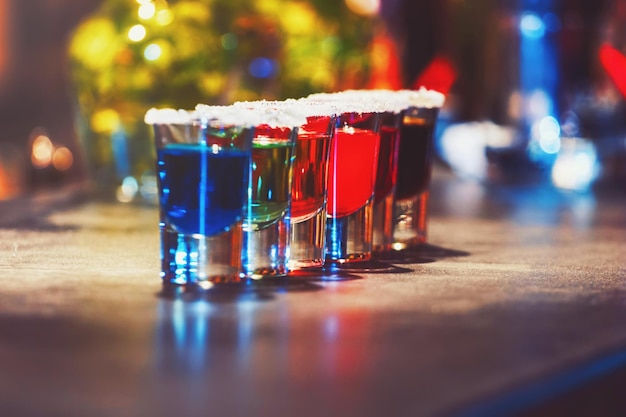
{"x": 42, "y": 151}
{"x": 44, "y": 154}
{"x": 62, "y": 158}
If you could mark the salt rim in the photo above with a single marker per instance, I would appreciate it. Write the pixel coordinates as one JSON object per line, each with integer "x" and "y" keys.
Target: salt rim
{"x": 294, "y": 112}
{"x": 385, "y": 100}
{"x": 362, "y": 101}
{"x": 243, "y": 116}
{"x": 228, "y": 115}
{"x": 273, "y": 113}
{"x": 343, "y": 103}
{"x": 301, "y": 107}
{"x": 380, "y": 101}
{"x": 156, "y": 116}
{"x": 424, "y": 98}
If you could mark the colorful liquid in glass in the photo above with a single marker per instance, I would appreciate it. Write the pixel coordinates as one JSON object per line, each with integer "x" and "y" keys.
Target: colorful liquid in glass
{"x": 414, "y": 157}
{"x": 272, "y": 152}
{"x": 352, "y": 170}
{"x": 386, "y": 173}
{"x": 202, "y": 190}
{"x": 308, "y": 190}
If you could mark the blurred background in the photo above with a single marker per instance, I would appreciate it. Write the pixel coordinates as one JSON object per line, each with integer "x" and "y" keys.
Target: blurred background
{"x": 535, "y": 89}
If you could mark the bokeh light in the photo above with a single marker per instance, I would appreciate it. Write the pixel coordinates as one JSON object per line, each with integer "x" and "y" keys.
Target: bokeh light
{"x": 127, "y": 191}
{"x": 576, "y": 167}
{"x": 164, "y": 17}
{"x": 547, "y": 131}
{"x": 137, "y": 33}
{"x": 146, "y": 11}
{"x": 229, "y": 41}
{"x": 62, "y": 159}
{"x": 42, "y": 150}
{"x": 364, "y": 7}
{"x": 532, "y": 26}
{"x": 152, "y": 52}
{"x": 262, "y": 67}
{"x": 105, "y": 121}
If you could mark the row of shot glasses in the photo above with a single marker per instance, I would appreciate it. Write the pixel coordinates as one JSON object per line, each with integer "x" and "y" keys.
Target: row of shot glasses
{"x": 259, "y": 189}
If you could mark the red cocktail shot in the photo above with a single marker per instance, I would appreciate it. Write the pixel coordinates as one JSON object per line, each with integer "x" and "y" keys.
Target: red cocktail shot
{"x": 353, "y": 157}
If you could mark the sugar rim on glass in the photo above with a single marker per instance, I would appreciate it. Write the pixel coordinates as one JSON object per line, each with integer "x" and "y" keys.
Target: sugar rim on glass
{"x": 249, "y": 116}
{"x": 424, "y": 98}
{"x": 156, "y": 116}
{"x": 229, "y": 115}
{"x": 301, "y": 108}
{"x": 380, "y": 100}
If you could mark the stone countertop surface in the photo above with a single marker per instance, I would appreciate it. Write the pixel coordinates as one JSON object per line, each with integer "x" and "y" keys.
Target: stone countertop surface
{"x": 518, "y": 299}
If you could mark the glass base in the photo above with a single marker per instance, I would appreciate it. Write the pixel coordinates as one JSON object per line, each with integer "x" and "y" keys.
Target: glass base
{"x": 201, "y": 260}
{"x": 410, "y": 222}
{"x": 266, "y": 250}
{"x": 383, "y": 224}
{"x": 349, "y": 238}
{"x": 308, "y": 242}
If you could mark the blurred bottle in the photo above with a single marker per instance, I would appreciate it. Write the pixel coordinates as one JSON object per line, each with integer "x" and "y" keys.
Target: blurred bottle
{"x": 528, "y": 77}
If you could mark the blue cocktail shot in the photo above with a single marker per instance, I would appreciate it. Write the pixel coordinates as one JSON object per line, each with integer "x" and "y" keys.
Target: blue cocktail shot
{"x": 203, "y": 177}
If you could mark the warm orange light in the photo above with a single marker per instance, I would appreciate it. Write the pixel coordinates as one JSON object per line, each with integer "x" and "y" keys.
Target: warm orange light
{"x": 364, "y": 7}
{"x": 42, "y": 150}
{"x": 5, "y": 30}
{"x": 5, "y": 185}
{"x": 62, "y": 158}
{"x": 386, "y": 69}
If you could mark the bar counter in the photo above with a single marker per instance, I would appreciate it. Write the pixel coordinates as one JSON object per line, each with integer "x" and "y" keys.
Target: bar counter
{"x": 517, "y": 306}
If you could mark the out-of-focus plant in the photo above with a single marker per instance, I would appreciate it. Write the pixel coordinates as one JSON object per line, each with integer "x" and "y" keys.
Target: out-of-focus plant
{"x": 219, "y": 50}
{"x": 134, "y": 54}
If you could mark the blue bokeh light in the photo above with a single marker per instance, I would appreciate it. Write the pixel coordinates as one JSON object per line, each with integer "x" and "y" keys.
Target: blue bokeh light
{"x": 532, "y": 26}
{"x": 262, "y": 67}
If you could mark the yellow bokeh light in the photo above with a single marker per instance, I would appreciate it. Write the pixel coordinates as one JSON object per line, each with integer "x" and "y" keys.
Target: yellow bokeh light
{"x": 93, "y": 44}
{"x": 298, "y": 18}
{"x": 212, "y": 83}
{"x": 62, "y": 158}
{"x": 137, "y": 33}
{"x": 164, "y": 17}
{"x": 146, "y": 11}
{"x": 105, "y": 121}
{"x": 195, "y": 11}
{"x": 271, "y": 7}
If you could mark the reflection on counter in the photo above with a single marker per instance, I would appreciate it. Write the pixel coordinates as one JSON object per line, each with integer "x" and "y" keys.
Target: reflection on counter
{"x": 194, "y": 337}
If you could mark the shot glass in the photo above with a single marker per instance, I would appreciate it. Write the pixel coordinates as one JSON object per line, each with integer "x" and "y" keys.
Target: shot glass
{"x": 203, "y": 176}
{"x": 352, "y": 174}
{"x": 351, "y": 177}
{"x": 385, "y": 186}
{"x": 267, "y": 222}
{"x": 308, "y": 190}
{"x": 310, "y": 171}
{"x": 415, "y": 157}
{"x": 390, "y": 104}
